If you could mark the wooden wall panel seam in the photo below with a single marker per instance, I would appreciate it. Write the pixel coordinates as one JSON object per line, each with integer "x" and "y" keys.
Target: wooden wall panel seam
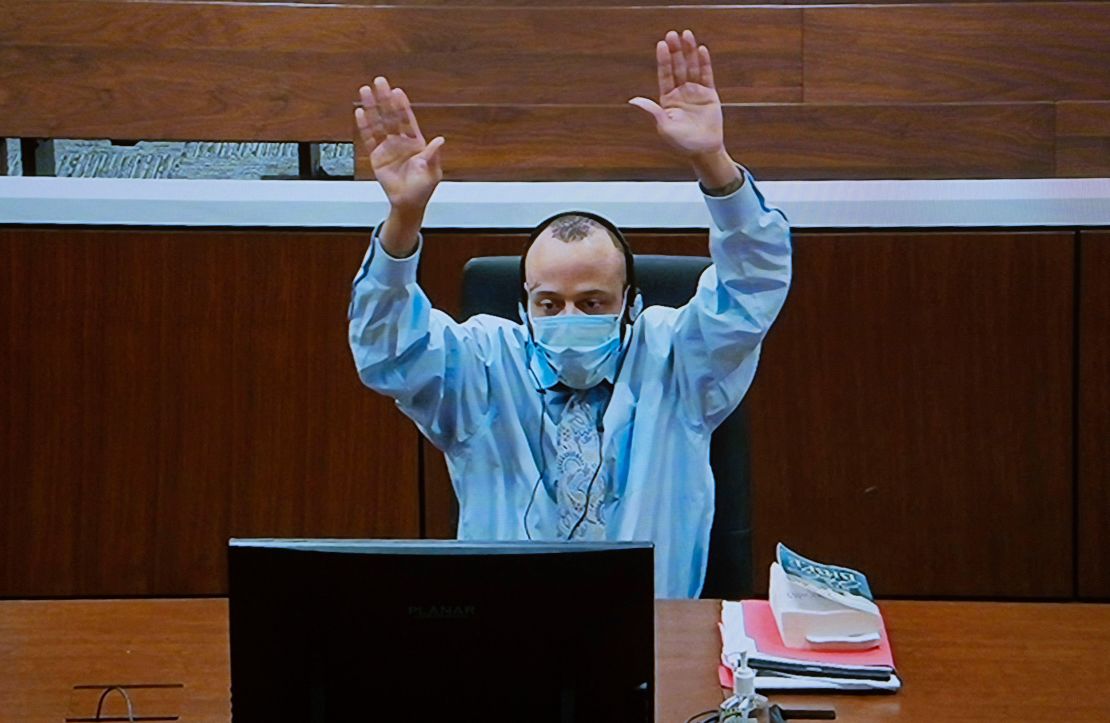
{"x": 1093, "y": 418}
{"x": 1056, "y": 143}
{"x": 1076, "y": 443}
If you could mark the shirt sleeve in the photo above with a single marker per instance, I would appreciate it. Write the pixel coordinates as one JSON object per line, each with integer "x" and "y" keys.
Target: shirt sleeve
{"x": 718, "y": 334}
{"x": 434, "y": 367}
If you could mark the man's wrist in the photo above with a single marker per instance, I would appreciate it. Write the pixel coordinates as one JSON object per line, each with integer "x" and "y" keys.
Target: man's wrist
{"x": 717, "y": 173}
{"x": 401, "y": 231}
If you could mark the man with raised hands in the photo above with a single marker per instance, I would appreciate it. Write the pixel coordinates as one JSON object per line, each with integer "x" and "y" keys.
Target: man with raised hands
{"x": 590, "y": 418}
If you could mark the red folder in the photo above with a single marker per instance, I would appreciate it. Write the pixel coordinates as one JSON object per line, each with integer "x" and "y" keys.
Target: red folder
{"x": 759, "y": 625}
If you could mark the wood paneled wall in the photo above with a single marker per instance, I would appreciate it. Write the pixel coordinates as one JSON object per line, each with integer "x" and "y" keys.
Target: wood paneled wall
{"x": 530, "y": 91}
{"x": 912, "y": 416}
{"x": 164, "y": 391}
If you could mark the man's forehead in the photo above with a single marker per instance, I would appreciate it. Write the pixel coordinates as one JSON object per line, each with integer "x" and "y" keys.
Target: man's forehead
{"x": 551, "y": 260}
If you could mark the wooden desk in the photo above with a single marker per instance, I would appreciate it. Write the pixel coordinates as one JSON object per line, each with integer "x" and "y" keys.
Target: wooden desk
{"x": 959, "y": 661}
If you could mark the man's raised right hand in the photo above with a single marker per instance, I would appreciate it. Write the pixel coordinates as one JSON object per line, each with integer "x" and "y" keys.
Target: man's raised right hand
{"x": 407, "y": 167}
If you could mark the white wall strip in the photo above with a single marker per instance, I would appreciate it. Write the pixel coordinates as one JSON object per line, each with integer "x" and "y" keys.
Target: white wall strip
{"x": 1053, "y": 202}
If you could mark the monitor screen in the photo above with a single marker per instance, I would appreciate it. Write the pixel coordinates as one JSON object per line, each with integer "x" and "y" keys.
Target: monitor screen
{"x": 428, "y": 630}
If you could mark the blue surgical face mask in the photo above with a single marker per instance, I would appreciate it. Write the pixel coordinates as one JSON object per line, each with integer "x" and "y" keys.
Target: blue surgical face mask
{"x": 582, "y": 349}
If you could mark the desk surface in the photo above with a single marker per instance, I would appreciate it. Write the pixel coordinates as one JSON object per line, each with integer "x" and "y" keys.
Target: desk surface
{"x": 958, "y": 662}
{"x": 971, "y": 661}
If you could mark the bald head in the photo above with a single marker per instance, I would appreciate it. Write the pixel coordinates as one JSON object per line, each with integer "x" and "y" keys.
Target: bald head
{"x": 575, "y": 266}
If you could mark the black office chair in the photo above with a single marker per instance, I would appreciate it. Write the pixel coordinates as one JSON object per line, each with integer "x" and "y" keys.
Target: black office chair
{"x": 491, "y": 285}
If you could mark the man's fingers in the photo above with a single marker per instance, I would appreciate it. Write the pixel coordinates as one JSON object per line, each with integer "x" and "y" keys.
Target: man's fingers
{"x": 706, "y": 67}
{"x": 380, "y": 90}
{"x": 650, "y": 106}
{"x": 366, "y": 95}
{"x": 663, "y": 66}
{"x": 690, "y": 55}
{"x": 406, "y": 118}
{"x": 366, "y": 130}
{"x": 383, "y": 99}
{"x": 678, "y": 62}
{"x": 368, "y": 119}
{"x": 363, "y": 126}
{"x": 431, "y": 152}
{"x": 365, "y": 117}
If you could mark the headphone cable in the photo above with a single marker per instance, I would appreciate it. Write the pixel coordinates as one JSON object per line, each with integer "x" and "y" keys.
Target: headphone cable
{"x": 543, "y": 457}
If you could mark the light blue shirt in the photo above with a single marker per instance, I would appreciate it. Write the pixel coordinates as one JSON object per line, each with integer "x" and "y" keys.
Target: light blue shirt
{"x": 468, "y": 387}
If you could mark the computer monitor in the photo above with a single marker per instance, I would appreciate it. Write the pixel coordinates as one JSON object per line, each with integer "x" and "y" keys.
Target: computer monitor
{"x": 427, "y": 631}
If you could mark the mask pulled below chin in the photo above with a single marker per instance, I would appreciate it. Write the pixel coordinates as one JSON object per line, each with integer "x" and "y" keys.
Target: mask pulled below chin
{"x": 582, "y": 349}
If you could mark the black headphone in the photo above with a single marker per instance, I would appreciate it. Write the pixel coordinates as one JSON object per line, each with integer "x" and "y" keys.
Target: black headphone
{"x": 614, "y": 232}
